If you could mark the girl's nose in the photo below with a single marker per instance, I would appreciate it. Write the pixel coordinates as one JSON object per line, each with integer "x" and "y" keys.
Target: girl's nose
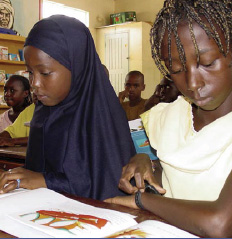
{"x": 194, "y": 80}
{"x": 35, "y": 81}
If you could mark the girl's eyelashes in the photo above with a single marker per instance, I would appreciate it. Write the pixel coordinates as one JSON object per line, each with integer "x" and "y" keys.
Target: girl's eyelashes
{"x": 42, "y": 73}
{"x": 172, "y": 72}
{"x": 45, "y": 73}
{"x": 29, "y": 72}
{"x": 208, "y": 65}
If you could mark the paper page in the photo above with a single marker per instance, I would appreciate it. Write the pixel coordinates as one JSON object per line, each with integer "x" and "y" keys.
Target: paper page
{"x": 14, "y": 192}
{"x": 54, "y": 215}
{"x": 135, "y": 124}
{"x": 152, "y": 229}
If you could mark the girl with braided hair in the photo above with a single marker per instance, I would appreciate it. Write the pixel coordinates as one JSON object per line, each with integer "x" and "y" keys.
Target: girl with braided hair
{"x": 190, "y": 41}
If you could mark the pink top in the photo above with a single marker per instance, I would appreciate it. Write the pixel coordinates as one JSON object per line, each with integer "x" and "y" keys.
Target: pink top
{"x": 4, "y": 121}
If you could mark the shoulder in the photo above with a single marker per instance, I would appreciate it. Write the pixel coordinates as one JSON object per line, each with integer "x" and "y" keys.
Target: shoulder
{"x": 173, "y": 106}
{"x": 29, "y": 108}
{"x": 165, "y": 111}
{"x": 4, "y": 115}
{"x": 125, "y": 104}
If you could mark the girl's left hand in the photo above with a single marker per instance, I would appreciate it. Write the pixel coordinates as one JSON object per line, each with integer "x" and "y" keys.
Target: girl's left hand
{"x": 128, "y": 201}
{"x": 28, "y": 179}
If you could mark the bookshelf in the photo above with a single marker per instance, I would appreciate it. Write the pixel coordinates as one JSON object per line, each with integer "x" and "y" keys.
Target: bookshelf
{"x": 14, "y": 43}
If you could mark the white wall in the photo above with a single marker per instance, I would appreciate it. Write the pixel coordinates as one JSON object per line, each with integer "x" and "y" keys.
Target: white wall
{"x": 26, "y": 15}
{"x": 146, "y": 10}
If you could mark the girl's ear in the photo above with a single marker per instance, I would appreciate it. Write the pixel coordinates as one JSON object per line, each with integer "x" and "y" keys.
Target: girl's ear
{"x": 26, "y": 93}
{"x": 144, "y": 86}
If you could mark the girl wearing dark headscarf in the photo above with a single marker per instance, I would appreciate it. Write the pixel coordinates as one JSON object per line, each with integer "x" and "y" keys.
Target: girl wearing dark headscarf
{"x": 79, "y": 138}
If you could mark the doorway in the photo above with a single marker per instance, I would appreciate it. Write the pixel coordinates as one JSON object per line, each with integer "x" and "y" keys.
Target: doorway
{"x": 117, "y": 58}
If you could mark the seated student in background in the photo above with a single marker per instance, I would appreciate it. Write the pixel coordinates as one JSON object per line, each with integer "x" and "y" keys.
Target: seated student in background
{"x": 79, "y": 135}
{"x": 192, "y": 135}
{"x": 16, "y": 95}
{"x": 165, "y": 91}
{"x": 134, "y": 85}
{"x": 18, "y": 132}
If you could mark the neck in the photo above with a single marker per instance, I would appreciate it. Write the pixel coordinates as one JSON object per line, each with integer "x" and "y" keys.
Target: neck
{"x": 18, "y": 108}
{"x": 205, "y": 117}
{"x": 135, "y": 102}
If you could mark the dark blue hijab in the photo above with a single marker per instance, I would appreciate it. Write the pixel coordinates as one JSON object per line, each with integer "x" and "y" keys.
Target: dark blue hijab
{"x": 81, "y": 144}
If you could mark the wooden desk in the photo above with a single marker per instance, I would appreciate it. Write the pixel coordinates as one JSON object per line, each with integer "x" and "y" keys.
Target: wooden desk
{"x": 11, "y": 157}
{"x": 141, "y": 215}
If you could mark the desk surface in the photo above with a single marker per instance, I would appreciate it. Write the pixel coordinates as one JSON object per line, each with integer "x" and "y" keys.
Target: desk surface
{"x": 141, "y": 215}
{"x": 17, "y": 152}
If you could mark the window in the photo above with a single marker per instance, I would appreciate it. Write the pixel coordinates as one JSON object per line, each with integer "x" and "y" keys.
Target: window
{"x": 50, "y": 8}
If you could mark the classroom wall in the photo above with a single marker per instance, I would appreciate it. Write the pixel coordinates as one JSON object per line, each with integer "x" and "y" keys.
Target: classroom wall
{"x": 26, "y": 15}
{"x": 139, "y": 51}
{"x": 99, "y": 11}
{"x": 146, "y": 10}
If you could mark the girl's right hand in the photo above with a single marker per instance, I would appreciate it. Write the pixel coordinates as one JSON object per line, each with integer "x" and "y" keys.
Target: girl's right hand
{"x": 140, "y": 168}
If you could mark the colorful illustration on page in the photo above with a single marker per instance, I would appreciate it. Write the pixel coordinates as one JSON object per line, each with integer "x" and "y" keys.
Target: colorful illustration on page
{"x": 130, "y": 233}
{"x": 64, "y": 220}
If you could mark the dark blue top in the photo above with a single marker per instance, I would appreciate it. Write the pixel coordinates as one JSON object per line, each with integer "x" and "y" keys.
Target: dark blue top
{"x": 81, "y": 144}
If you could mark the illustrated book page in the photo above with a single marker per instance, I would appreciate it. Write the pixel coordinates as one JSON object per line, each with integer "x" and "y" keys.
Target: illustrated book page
{"x": 45, "y": 213}
{"x": 152, "y": 229}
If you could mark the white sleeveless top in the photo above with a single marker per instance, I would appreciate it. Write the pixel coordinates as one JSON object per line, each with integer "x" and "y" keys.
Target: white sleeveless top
{"x": 195, "y": 164}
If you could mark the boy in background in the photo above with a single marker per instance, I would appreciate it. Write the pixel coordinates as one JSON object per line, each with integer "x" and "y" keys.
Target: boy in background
{"x": 134, "y": 85}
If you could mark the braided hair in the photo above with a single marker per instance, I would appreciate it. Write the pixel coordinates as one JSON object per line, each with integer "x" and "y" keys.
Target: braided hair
{"x": 217, "y": 13}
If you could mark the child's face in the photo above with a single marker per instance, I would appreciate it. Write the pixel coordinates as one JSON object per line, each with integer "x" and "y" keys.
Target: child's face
{"x": 49, "y": 79}
{"x": 134, "y": 86}
{"x": 14, "y": 93}
{"x": 166, "y": 91}
{"x": 207, "y": 84}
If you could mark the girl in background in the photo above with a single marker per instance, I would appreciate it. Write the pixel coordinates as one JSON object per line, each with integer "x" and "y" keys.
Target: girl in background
{"x": 16, "y": 95}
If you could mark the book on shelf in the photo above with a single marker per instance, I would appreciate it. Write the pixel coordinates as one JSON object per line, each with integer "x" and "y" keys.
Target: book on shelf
{"x": 43, "y": 213}
{"x": 2, "y": 76}
{"x": 3, "y": 53}
{"x": 13, "y": 57}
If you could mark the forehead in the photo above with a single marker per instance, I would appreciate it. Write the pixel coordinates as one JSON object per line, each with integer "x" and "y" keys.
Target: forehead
{"x": 185, "y": 34}
{"x": 4, "y": 10}
{"x": 13, "y": 83}
{"x": 35, "y": 57}
{"x": 133, "y": 79}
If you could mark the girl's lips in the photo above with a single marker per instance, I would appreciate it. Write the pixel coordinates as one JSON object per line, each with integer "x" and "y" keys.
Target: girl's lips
{"x": 201, "y": 101}
{"x": 41, "y": 97}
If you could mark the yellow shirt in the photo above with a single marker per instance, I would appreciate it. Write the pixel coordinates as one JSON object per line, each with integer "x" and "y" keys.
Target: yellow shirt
{"x": 18, "y": 129}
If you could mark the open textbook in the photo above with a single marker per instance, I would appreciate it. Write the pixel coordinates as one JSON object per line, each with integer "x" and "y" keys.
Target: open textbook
{"x": 43, "y": 213}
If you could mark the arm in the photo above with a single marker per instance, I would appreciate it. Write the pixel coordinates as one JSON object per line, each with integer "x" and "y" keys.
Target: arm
{"x": 122, "y": 95}
{"x": 6, "y": 140}
{"x": 203, "y": 218}
{"x": 152, "y": 101}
